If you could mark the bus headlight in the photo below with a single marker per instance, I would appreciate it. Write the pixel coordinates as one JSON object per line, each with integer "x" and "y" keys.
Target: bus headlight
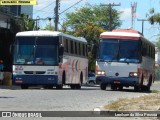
{"x": 100, "y": 72}
{"x": 133, "y": 74}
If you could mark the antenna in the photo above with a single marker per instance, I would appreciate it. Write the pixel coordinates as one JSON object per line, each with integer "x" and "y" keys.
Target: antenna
{"x": 133, "y": 13}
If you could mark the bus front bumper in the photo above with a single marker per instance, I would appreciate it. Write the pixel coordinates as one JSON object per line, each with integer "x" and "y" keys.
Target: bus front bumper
{"x": 123, "y": 81}
{"x": 35, "y": 79}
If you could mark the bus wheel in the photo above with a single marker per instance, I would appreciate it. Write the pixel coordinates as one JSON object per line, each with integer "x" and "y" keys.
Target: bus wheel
{"x": 103, "y": 86}
{"x": 24, "y": 86}
{"x": 136, "y": 88}
{"x": 73, "y": 86}
{"x": 147, "y": 88}
{"x": 78, "y": 86}
{"x": 113, "y": 87}
{"x": 149, "y": 84}
{"x": 59, "y": 86}
{"x": 63, "y": 78}
{"x": 120, "y": 87}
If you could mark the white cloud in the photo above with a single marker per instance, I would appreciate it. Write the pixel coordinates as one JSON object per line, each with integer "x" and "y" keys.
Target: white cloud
{"x": 126, "y": 14}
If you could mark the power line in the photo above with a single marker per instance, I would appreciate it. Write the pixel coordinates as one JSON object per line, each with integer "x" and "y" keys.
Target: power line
{"x": 56, "y": 16}
{"x": 110, "y": 13}
{"x": 57, "y": 13}
{"x": 71, "y": 7}
{"x": 44, "y": 7}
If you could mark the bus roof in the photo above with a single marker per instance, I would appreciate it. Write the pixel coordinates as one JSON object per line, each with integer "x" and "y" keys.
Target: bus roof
{"x": 122, "y": 33}
{"x": 125, "y": 34}
{"x": 49, "y": 33}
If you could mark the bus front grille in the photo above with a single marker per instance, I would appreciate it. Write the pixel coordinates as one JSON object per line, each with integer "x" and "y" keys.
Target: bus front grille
{"x": 34, "y": 72}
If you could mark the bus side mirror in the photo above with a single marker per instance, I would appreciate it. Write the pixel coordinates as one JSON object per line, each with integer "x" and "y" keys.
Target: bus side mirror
{"x": 94, "y": 50}
{"x": 61, "y": 50}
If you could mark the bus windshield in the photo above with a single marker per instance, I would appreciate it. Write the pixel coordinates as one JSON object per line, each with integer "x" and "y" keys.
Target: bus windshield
{"x": 120, "y": 50}
{"x": 36, "y": 50}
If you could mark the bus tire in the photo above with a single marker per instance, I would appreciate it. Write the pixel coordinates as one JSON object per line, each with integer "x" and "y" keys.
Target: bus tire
{"x": 149, "y": 83}
{"x": 136, "y": 88}
{"x": 48, "y": 86}
{"x": 78, "y": 86}
{"x": 141, "y": 83}
{"x": 59, "y": 87}
{"x": 64, "y": 78}
{"x": 73, "y": 86}
{"x": 113, "y": 87}
{"x": 148, "y": 87}
{"x": 103, "y": 86}
{"x": 24, "y": 86}
{"x": 81, "y": 78}
{"x": 145, "y": 88}
{"x": 120, "y": 88}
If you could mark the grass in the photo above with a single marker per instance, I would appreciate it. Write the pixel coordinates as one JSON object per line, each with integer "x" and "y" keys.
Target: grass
{"x": 147, "y": 102}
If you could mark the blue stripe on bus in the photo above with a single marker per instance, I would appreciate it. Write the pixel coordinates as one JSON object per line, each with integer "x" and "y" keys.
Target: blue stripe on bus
{"x": 35, "y": 79}
{"x": 129, "y": 81}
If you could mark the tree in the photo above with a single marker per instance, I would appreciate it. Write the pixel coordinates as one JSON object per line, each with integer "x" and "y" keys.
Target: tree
{"x": 88, "y": 22}
{"x": 153, "y": 17}
{"x": 49, "y": 27}
{"x": 23, "y": 23}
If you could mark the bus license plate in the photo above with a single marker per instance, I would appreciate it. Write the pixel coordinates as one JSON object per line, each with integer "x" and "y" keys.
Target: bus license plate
{"x": 117, "y": 82}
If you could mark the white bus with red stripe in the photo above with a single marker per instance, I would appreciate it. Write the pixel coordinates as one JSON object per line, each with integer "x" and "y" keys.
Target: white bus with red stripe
{"x": 125, "y": 58}
{"x": 49, "y": 58}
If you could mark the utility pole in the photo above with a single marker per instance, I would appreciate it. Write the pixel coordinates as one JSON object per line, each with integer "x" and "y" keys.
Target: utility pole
{"x": 56, "y": 11}
{"x": 142, "y": 23}
{"x": 110, "y": 13}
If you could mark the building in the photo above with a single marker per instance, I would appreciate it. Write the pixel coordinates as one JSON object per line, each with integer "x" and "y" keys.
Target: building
{"x": 25, "y": 9}
{"x": 6, "y": 12}
{"x": 8, "y": 31}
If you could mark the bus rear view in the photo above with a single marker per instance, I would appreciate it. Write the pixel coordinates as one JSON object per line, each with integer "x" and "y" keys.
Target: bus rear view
{"x": 125, "y": 58}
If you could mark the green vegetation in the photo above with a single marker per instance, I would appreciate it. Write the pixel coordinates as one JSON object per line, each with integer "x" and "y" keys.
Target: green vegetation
{"x": 22, "y": 23}
{"x": 88, "y": 22}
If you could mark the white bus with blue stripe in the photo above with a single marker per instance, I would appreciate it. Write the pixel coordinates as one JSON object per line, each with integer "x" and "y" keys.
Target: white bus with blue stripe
{"x": 49, "y": 58}
{"x": 125, "y": 58}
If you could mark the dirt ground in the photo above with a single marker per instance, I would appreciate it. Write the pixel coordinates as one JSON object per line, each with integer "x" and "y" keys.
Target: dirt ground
{"x": 150, "y": 102}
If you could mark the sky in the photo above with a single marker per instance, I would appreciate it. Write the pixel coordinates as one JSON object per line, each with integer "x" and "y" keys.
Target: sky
{"x": 45, "y": 8}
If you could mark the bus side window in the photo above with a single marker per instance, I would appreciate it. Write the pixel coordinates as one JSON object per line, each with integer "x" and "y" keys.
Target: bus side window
{"x": 79, "y": 47}
{"x": 66, "y": 45}
{"x": 75, "y": 43}
{"x": 144, "y": 50}
{"x": 84, "y": 49}
{"x": 72, "y": 47}
{"x": 69, "y": 46}
{"x": 153, "y": 52}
